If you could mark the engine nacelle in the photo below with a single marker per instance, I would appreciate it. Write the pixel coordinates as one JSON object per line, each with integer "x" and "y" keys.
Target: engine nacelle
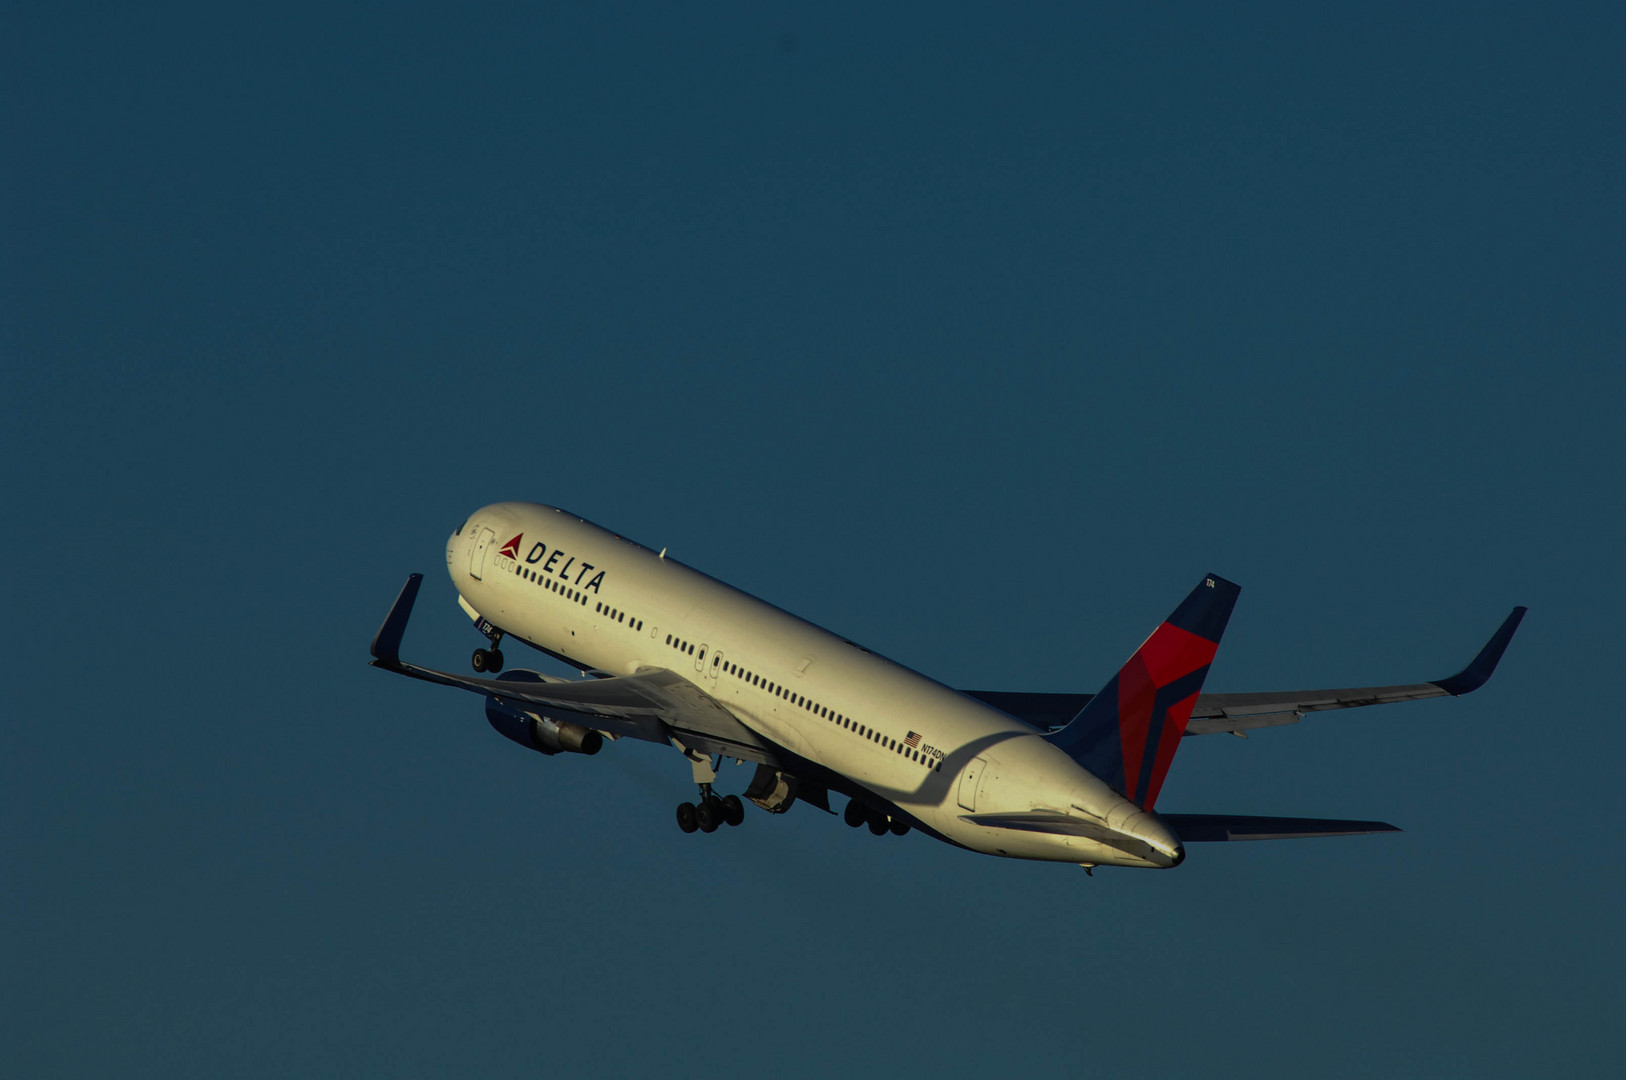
{"x": 772, "y": 790}
{"x": 543, "y": 734}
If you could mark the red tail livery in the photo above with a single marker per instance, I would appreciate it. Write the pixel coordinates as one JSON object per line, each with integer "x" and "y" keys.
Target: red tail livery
{"x": 1128, "y": 733}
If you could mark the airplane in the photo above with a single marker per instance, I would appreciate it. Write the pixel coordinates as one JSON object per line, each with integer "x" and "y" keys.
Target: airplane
{"x": 672, "y": 656}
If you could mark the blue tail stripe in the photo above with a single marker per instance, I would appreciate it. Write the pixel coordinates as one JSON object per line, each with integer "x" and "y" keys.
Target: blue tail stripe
{"x": 1166, "y": 697}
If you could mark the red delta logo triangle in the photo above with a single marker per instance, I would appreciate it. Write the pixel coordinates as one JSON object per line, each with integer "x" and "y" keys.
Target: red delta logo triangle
{"x": 511, "y": 549}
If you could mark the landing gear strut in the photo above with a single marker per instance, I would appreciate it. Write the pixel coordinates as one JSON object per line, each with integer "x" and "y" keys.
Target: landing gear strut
{"x": 489, "y": 659}
{"x": 710, "y": 812}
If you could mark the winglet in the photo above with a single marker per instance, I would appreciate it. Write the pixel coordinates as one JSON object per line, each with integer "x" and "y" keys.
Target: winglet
{"x": 387, "y": 642}
{"x": 1479, "y": 670}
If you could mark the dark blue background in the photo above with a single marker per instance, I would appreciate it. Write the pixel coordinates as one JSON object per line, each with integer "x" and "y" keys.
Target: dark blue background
{"x": 974, "y": 334}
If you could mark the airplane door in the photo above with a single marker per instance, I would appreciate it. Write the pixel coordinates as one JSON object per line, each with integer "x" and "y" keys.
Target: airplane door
{"x": 477, "y": 557}
{"x": 968, "y": 783}
{"x": 700, "y": 659}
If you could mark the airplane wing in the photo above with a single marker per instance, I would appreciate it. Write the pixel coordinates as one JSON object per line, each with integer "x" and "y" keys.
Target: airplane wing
{"x": 655, "y": 704}
{"x": 1241, "y": 712}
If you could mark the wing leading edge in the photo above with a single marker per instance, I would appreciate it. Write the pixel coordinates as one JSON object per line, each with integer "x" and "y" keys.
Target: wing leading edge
{"x": 1243, "y": 711}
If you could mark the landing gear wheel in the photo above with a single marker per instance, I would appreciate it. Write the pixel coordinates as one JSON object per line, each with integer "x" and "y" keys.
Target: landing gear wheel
{"x": 709, "y": 815}
{"x": 686, "y": 817}
{"x": 490, "y": 657}
{"x": 878, "y": 825}
{"x": 899, "y": 827}
{"x": 733, "y": 809}
{"x": 855, "y": 814}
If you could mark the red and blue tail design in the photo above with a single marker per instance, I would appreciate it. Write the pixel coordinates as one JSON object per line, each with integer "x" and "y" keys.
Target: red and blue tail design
{"x": 1128, "y": 733}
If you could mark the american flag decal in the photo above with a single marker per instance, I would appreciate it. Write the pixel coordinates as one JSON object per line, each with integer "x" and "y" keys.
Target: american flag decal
{"x": 913, "y": 741}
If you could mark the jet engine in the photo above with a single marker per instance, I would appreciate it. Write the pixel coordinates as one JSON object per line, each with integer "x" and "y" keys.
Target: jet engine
{"x": 544, "y": 734}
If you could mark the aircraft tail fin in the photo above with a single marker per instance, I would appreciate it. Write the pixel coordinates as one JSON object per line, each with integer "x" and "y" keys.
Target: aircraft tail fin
{"x": 1128, "y": 733}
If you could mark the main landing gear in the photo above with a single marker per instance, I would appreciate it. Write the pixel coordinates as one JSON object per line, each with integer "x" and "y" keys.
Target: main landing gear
{"x": 489, "y": 659}
{"x": 879, "y": 824}
{"x": 710, "y": 812}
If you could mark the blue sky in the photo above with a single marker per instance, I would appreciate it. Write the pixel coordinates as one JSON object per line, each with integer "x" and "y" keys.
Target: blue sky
{"x": 974, "y": 335}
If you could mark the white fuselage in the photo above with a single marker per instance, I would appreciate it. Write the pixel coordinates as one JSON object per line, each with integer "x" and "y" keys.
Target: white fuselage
{"x": 606, "y": 603}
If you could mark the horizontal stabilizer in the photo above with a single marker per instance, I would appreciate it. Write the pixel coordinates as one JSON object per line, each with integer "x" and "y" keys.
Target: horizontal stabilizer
{"x": 1201, "y": 828}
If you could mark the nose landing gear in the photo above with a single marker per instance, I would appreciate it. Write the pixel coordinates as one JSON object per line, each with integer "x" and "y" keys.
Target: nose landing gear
{"x": 489, "y": 659}
{"x": 710, "y": 812}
